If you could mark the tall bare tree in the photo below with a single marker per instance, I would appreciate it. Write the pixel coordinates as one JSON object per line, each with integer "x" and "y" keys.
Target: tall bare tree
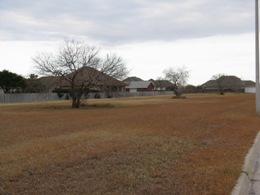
{"x": 178, "y": 77}
{"x": 80, "y": 66}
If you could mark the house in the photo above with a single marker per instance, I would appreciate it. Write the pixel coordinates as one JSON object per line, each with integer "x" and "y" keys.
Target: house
{"x": 250, "y": 87}
{"x": 229, "y": 83}
{"x": 225, "y": 83}
{"x": 139, "y": 86}
{"x": 50, "y": 83}
{"x": 88, "y": 76}
{"x": 162, "y": 85}
{"x": 95, "y": 79}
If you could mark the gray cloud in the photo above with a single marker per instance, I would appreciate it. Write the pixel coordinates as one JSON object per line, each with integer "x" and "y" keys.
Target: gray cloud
{"x": 125, "y": 21}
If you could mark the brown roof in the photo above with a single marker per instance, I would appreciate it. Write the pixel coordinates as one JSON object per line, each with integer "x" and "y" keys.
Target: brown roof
{"x": 50, "y": 81}
{"x": 249, "y": 83}
{"x": 85, "y": 75}
{"x": 225, "y": 81}
{"x": 88, "y": 74}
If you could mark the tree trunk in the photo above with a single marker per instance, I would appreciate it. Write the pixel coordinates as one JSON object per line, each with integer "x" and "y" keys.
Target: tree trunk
{"x": 222, "y": 91}
{"x": 76, "y": 97}
{"x": 74, "y": 102}
{"x": 78, "y": 102}
{"x": 177, "y": 92}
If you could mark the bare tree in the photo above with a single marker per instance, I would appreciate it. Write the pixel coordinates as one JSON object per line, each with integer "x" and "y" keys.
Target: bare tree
{"x": 218, "y": 78}
{"x": 80, "y": 66}
{"x": 178, "y": 77}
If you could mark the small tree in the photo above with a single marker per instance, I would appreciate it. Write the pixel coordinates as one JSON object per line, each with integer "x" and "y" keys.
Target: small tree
{"x": 178, "y": 77}
{"x": 80, "y": 66}
{"x": 11, "y": 82}
{"x": 220, "y": 82}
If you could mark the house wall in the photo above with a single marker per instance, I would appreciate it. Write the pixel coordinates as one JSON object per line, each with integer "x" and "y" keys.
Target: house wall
{"x": 160, "y": 89}
{"x": 140, "y": 90}
{"x": 115, "y": 88}
{"x": 133, "y": 90}
{"x": 150, "y": 87}
{"x": 250, "y": 90}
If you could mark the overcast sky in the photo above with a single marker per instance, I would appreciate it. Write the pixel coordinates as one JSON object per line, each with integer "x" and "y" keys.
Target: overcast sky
{"x": 206, "y": 36}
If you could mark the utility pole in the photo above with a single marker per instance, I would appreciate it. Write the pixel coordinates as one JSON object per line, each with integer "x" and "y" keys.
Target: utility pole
{"x": 257, "y": 58}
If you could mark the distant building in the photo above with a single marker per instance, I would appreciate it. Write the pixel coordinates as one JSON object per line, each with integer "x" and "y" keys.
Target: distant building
{"x": 229, "y": 83}
{"x": 162, "y": 85}
{"x": 50, "y": 83}
{"x": 100, "y": 80}
{"x": 250, "y": 87}
{"x": 139, "y": 86}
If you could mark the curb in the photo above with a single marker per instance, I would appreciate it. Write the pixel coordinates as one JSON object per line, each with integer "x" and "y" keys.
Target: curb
{"x": 245, "y": 179}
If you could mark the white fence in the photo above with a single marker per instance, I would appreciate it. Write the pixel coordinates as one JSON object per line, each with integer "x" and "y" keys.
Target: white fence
{"x": 29, "y": 97}
{"x": 39, "y": 97}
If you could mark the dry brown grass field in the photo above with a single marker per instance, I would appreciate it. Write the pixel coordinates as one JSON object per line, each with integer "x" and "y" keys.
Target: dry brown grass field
{"x": 145, "y": 145}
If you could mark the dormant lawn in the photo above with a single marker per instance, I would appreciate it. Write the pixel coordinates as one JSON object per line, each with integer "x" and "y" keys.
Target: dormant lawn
{"x": 145, "y": 145}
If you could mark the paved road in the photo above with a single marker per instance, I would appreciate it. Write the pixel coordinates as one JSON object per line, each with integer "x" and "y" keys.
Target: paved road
{"x": 255, "y": 185}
